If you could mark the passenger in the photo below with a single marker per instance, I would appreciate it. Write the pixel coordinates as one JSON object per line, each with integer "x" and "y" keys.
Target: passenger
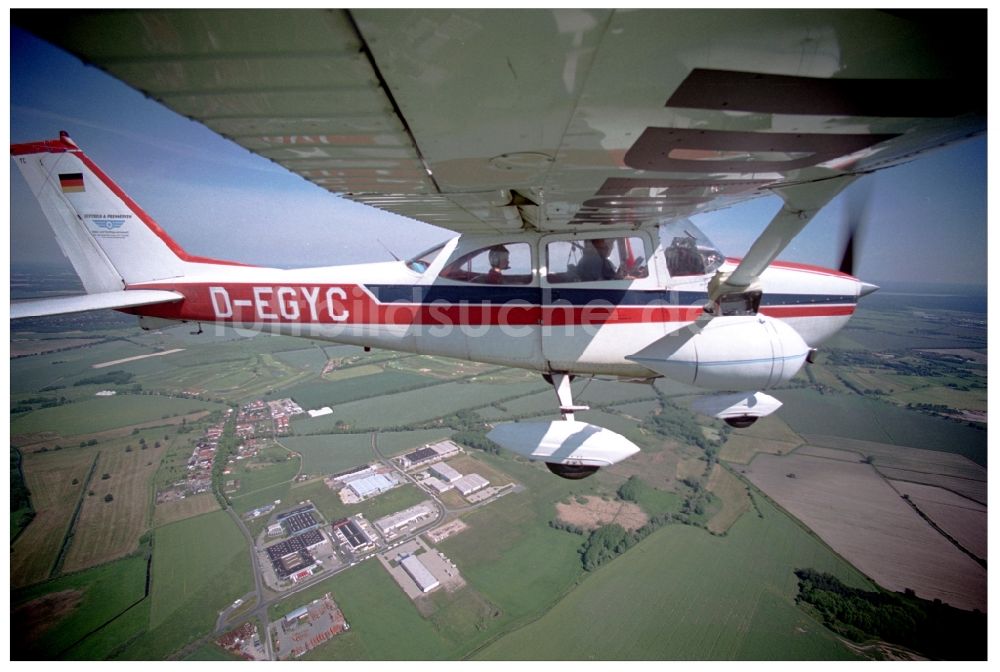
{"x": 594, "y": 264}
{"x": 499, "y": 262}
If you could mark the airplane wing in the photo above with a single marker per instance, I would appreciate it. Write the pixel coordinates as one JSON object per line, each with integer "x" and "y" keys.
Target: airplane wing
{"x": 84, "y": 302}
{"x": 563, "y": 119}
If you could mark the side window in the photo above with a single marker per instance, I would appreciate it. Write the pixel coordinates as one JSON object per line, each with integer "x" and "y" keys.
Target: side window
{"x": 596, "y": 259}
{"x": 506, "y": 264}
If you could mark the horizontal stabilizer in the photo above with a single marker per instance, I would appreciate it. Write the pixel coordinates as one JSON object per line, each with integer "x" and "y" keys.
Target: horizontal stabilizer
{"x": 566, "y": 442}
{"x": 84, "y": 302}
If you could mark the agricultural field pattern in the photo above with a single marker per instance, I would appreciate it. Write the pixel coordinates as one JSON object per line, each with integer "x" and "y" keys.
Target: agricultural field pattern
{"x": 154, "y": 473}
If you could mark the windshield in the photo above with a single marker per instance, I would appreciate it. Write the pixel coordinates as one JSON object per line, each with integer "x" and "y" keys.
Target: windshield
{"x": 422, "y": 261}
{"x": 688, "y": 251}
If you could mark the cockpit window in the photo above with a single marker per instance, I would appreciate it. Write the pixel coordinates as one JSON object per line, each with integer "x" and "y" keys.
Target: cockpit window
{"x": 503, "y": 264}
{"x": 596, "y": 259}
{"x": 688, "y": 251}
{"x": 422, "y": 261}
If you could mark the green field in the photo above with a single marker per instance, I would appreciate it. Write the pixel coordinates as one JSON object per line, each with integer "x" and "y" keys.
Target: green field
{"x": 683, "y": 594}
{"x": 330, "y": 393}
{"x": 809, "y": 412}
{"x": 94, "y": 627}
{"x": 331, "y": 453}
{"x": 103, "y": 413}
{"x": 268, "y": 468}
{"x": 397, "y": 443}
{"x": 404, "y": 408}
{"x": 200, "y": 565}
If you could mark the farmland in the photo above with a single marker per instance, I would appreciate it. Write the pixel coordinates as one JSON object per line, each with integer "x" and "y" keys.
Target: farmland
{"x": 707, "y": 602}
{"x": 716, "y": 583}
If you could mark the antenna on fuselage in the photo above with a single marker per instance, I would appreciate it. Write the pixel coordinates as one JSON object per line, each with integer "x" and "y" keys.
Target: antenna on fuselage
{"x": 388, "y": 250}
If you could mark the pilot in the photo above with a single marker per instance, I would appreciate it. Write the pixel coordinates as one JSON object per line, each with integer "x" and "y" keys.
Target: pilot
{"x": 594, "y": 264}
{"x": 683, "y": 258}
{"x": 499, "y": 262}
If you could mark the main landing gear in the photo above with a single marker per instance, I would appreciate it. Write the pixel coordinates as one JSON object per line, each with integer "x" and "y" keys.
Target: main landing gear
{"x": 561, "y": 383}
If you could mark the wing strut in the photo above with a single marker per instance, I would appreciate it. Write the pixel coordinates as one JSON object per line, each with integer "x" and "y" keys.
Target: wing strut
{"x": 802, "y": 202}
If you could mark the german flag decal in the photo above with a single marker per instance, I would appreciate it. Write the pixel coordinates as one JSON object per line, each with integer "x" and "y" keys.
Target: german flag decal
{"x": 71, "y": 182}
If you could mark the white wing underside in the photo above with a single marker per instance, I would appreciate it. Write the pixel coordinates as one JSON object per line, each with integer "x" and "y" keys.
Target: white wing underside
{"x": 487, "y": 120}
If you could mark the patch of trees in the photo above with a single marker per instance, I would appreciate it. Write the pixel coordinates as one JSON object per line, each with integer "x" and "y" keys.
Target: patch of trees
{"x": 20, "y": 496}
{"x": 29, "y": 404}
{"x": 674, "y": 422}
{"x": 558, "y": 524}
{"x": 933, "y": 629}
{"x": 227, "y": 446}
{"x": 109, "y": 378}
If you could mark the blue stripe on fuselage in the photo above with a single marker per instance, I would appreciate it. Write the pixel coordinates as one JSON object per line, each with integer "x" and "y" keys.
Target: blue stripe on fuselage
{"x": 500, "y": 294}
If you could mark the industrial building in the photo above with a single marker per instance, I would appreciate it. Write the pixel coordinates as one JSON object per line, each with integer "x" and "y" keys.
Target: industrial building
{"x": 292, "y": 558}
{"x": 433, "y": 452}
{"x": 445, "y": 472}
{"x": 299, "y": 520}
{"x": 352, "y": 533}
{"x": 437, "y": 484}
{"x": 420, "y": 574}
{"x": 470, "y": 483}
{"x": 369, "y": 486}
{"x": 355, "y": 472}
{"x": 406, "y": 517}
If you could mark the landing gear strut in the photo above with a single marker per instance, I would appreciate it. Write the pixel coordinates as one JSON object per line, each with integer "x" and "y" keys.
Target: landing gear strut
{"x": 561, "y": 383}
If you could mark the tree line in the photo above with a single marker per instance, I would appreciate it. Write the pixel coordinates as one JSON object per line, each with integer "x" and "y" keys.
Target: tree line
{"x": 931, "y": 628}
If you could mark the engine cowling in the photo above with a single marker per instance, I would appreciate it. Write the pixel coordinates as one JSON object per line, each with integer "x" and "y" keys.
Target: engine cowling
{"x": 746, "y": 352}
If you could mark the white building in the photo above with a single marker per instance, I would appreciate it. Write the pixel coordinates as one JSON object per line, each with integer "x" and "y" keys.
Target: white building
{"x": 371, "y": 485}
{"x": 420, "y": 574}
{"x": 445, "y": 472}
{"x": 470, "y": 484}
{"x": 446, "y": 448}
{"x": 437, "y": 484}
{"x": 326, "y": 410}
{"x": 404, "y": 518}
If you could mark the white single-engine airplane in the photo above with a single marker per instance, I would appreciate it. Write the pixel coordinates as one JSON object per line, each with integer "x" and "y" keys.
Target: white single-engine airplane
{"x": 567, "y": 147}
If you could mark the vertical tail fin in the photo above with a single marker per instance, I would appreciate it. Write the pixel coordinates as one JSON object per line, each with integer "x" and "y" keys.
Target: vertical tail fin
{"x": 109, "y": 240}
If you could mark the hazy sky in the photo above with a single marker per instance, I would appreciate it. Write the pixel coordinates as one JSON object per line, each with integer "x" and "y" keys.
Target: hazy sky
{"x": 927, "y": 218}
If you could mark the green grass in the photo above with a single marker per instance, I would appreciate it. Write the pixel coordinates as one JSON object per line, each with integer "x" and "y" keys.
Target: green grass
{"x": 30, "y": 374}
{"x": 200, "y": 565}
{"x": 252, "y": 500}
{"x": 308, "y": 359}
{"x": 405, "y": 408}
{"x": 385, "y": 625}
{"x": 331, "y": 453}
{"x": 683, "y": 594}
{"x": 398, "y": 443}
{"x": 107, "y": 591}
{"x": 103, "y": 413}
{"x": 330, "y": 393}
{"x": 270, "y": 467}
{"x": 853, "y": 417}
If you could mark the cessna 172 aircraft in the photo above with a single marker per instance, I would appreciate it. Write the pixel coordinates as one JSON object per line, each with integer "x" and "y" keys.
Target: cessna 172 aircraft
{"x": 568, "y": 148}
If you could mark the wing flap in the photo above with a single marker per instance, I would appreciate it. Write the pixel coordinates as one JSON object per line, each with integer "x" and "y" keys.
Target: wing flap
{"x": 84, "y": 302}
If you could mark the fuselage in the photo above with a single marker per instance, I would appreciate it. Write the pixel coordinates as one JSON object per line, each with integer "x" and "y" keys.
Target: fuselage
{"x": 538, "y": 313}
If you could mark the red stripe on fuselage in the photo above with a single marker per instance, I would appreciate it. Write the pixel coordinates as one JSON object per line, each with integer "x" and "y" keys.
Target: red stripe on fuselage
{"x": 807, "y": 311}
